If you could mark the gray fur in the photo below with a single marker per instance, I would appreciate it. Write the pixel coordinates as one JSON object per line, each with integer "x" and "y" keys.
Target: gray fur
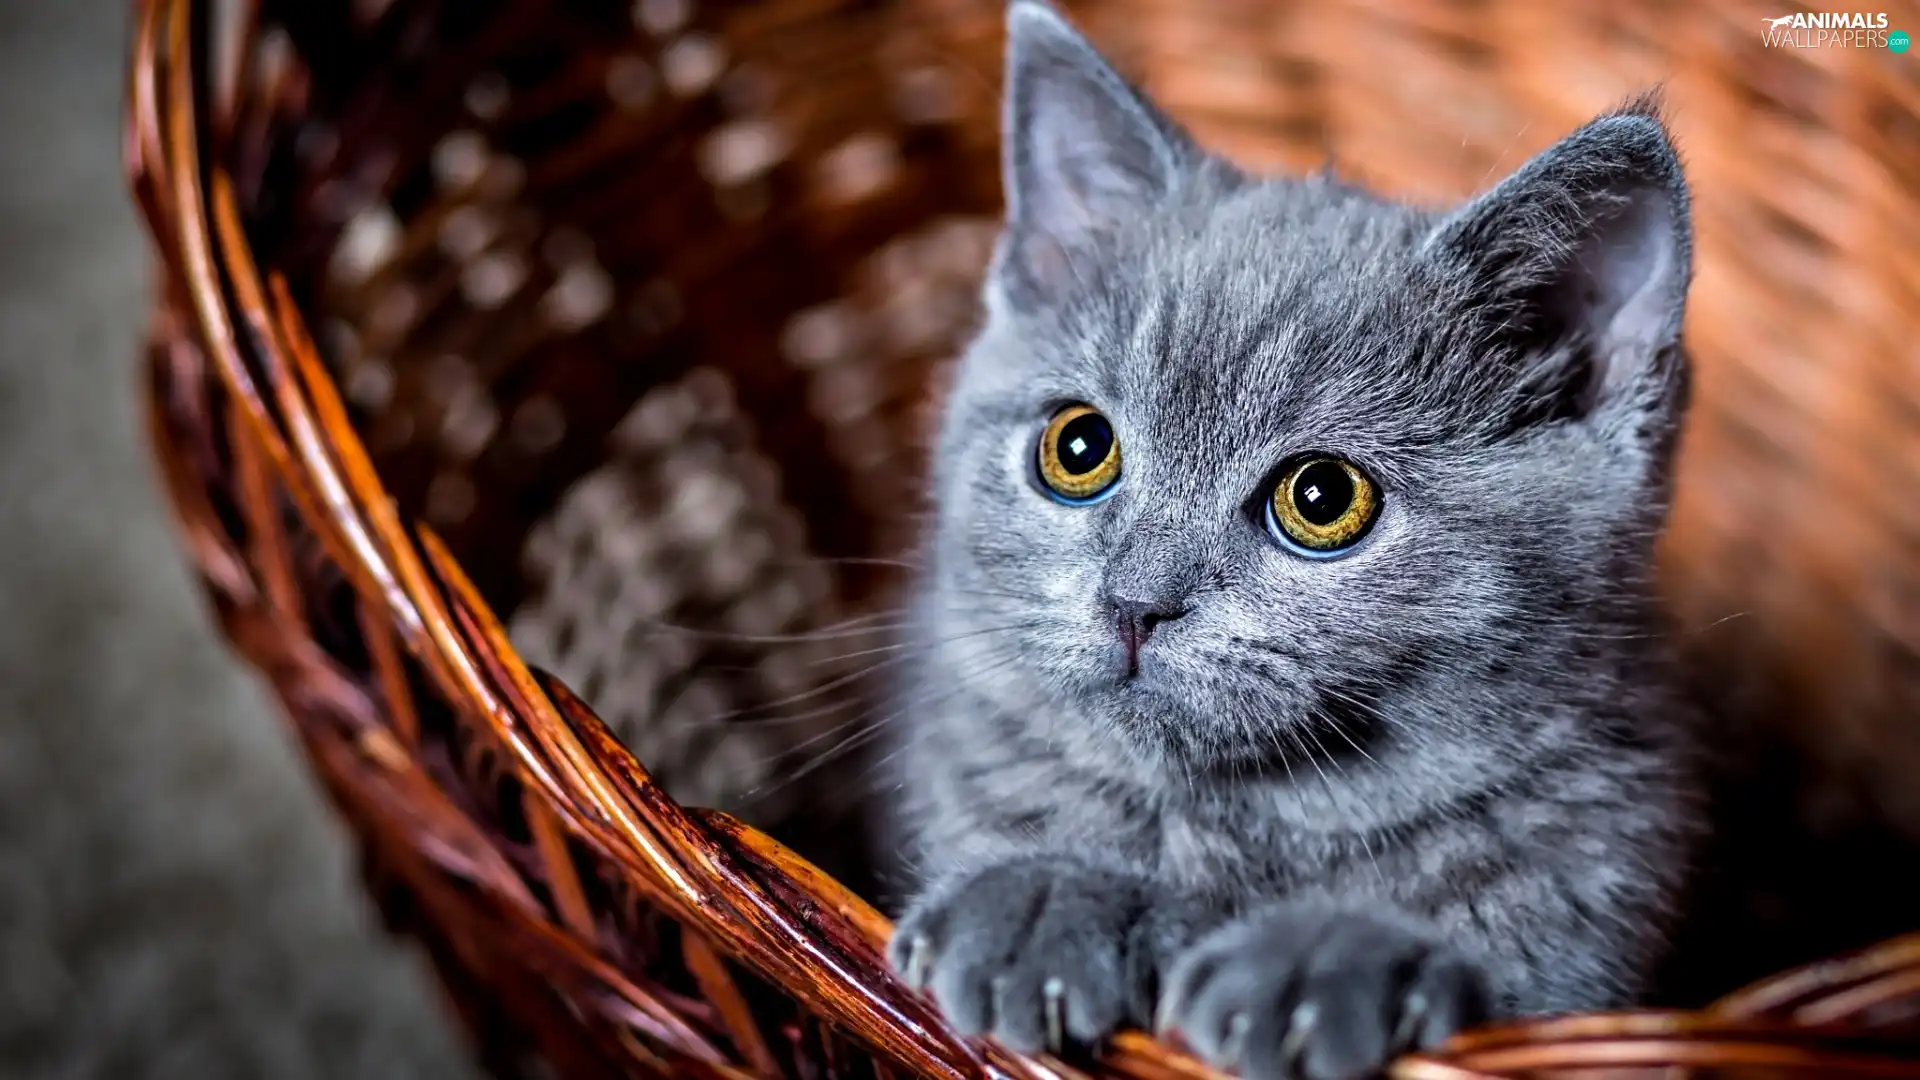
{"x": 1447, "y": 767}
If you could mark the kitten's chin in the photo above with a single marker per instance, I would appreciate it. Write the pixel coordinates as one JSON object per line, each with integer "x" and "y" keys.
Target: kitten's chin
{"x": 1175, "y": 727}
{"x": 1162, "y": 723}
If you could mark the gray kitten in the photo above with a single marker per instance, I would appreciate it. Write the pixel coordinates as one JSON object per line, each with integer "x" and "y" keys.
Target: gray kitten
{"x": 1289, "y": 673}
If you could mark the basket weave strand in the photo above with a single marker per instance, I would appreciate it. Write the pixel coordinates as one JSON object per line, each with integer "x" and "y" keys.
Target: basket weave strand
{"x": 423, "y": 263}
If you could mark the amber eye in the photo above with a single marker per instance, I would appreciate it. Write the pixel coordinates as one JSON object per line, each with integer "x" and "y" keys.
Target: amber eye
{"x": 1322, "y": 506}
{"x": 1079, "y": 455}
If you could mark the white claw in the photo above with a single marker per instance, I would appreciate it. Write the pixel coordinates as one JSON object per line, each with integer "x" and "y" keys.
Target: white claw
{"x": 1299, "y": 1028}
{"x": 1236, "y": 1040}
{"x": 917, "y": 949}
{"x": 1412, "y": 1012}
{"x": 1053, "y": 993}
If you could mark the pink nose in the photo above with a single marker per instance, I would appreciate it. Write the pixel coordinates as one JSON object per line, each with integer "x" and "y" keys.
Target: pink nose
{"x": 1136, "y": 620}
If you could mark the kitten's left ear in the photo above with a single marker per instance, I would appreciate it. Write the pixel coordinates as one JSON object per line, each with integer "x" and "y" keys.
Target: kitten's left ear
{"x": 1082, "y": 151}
{"x": 1582, "y": 259}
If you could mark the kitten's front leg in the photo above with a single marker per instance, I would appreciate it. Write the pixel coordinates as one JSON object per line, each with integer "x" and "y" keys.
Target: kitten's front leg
{"x": 1317, "y": 993}
{"x": 1037, "y": 949}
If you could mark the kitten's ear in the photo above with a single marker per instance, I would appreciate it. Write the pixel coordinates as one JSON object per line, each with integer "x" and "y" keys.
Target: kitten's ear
{"x": 1582, "y": 258}
{"x": 1081, "y": 150}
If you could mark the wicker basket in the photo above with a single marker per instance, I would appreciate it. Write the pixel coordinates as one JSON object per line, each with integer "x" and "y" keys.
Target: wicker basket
{"x": 430, "y": 266}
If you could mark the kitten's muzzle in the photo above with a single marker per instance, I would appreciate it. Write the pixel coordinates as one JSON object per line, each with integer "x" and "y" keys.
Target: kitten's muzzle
{"x": 1136, "y": 619}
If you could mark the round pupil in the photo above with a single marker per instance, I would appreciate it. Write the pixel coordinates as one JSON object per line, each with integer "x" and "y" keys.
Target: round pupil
{"x": 1322, "y": 492}
{"x": 1083, "y": 443}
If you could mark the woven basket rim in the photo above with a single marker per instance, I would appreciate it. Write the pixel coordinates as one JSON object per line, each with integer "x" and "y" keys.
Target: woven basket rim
{"x": 756, "y": 901}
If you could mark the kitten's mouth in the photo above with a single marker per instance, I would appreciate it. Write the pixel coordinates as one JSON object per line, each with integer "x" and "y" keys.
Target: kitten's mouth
{"x": 1147, "y": 675}
{"x": 1130, "y": 670}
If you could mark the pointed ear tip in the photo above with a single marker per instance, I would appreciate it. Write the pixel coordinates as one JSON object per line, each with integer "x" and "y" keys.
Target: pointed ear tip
{"x": 1026, "y": 17}
{"x": 1645, "y": 114}
{"x": 1644, "y": 136}
{"x": 1650, "y": 103}
{"x": 1639, "y": 134}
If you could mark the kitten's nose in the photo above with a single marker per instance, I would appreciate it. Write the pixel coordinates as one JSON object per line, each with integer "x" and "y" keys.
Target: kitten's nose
{"x": 1136, "y": 619}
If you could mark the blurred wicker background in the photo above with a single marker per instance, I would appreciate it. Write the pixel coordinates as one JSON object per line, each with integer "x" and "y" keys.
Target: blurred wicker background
{"x": 177, "y": 898}
{"x": 640, "y": 307}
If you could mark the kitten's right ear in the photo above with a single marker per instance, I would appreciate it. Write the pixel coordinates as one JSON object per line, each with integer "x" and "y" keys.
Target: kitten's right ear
{"x": 1082, "y": 151}
{"x": 1582, "y": 259}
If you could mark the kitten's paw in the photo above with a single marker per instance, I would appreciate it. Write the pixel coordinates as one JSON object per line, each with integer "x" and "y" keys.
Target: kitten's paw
{"x": 1310, "y": 995}
{"x": 1034, "y": 953}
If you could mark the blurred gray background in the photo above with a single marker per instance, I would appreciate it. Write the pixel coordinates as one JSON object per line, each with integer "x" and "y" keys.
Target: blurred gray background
{"x": 175, "y": 898}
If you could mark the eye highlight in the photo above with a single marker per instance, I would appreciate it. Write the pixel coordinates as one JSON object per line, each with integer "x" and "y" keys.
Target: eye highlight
{"x": 1322, "y": 506}
{"x": 1078, "y": 460}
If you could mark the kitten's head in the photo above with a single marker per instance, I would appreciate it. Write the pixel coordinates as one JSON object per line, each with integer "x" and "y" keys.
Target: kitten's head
{"x": 1234, "y": 460}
